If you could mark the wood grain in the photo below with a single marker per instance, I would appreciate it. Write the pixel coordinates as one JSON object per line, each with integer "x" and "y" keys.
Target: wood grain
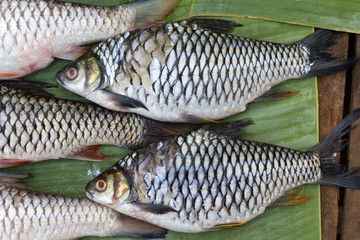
{"x": 350, "y": 228}
{"x": 331, "y": 102}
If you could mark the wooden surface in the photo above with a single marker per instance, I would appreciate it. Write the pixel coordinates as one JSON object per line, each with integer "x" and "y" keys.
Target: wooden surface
{"x": 339, "y": 94}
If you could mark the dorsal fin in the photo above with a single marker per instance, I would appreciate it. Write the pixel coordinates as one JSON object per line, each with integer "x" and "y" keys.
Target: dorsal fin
{"x": 215, "y": 25}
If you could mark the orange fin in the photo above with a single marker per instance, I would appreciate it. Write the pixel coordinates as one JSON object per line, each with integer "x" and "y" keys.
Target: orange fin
{"x": 75, "y": 53}
{"x": 12, "y": 162}
{"x": 290, "y": 198}
{"x": 275, "y": 94}
{"x": 229, "y": 226}
{"x": 91, "y": 153}
{"x": 8, "y": 74}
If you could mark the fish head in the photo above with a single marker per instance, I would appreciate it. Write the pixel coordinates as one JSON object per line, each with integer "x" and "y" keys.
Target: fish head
{"x": 83, "y": 76}
{"x": 112, "y": 187}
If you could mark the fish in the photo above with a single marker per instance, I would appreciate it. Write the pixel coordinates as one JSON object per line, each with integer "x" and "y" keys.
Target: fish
{"x": 208, "y": 179}
{"x": 35, "y": 126}
{"x": 34, "y": 32}
{"x": 194, "y": 70}
{"x": 29, "y": 214}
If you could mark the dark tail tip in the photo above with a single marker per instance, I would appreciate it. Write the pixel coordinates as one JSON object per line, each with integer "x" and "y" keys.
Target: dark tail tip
{"x": 329, "y": 66}
{"x": 335, "y": 174}
{"x": 323, "y": 63}
{"x": 332, "y": 142}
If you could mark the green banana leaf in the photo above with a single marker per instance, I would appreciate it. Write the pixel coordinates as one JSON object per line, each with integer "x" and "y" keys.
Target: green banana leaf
{"x": 290, "y": 123}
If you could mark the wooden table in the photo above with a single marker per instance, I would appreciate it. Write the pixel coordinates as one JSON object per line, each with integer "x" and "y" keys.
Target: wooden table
{"x": 338, "y": 95}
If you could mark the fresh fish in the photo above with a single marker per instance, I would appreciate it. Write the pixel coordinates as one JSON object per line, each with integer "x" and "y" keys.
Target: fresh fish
{"x": 193, "y": 70}
{"x": 204, "y": 181}
{"x": 33, "y": 32}
{"x": 34, "y": 126}
{"x": 27, "y": 214}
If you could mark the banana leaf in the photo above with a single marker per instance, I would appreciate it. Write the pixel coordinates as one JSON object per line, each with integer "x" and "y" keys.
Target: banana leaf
{"x": 291, "y": 123}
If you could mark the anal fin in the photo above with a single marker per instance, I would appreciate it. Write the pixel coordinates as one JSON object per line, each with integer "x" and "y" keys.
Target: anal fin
{"x": 275, "y": 94}
{"x": 154, "y": 208}
{"x": 228, "y": 226}
{"x": 91, "y": 153}
{"x": 231, "y": 129}
{"x": 290, "y": 198}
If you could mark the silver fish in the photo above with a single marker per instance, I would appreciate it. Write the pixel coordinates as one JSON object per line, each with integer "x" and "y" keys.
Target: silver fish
{"x": 204, "y": 181}
{"x": 33, "y": 32}
{"x": 28, "y": 214}
{"x": 35, "y": 126}
{"x": 193, "y": 70}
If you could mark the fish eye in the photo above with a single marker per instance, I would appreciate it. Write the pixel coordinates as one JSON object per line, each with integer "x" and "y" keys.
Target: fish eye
{"x": 71, "y": 73}
{"x": 100, "y": 185}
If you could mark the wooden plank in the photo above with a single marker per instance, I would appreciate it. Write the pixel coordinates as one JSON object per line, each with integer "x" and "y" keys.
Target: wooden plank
{"x": 350, "y": 228}
{"x": 331, "y": 101}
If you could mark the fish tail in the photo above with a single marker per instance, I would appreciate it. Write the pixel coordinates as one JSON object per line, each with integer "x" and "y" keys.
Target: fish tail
{"x": 164, "y": 130}
{"x": 323, "y": 63}
{"x": 150, "y": 12}
{"x": 134, "y": 228}
{"x": 335, "y": 173}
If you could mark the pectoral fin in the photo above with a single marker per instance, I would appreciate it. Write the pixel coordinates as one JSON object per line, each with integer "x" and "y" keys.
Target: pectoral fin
{"x": 91, "y": 153}
{"x": 154, "y": 208}
{"x": 13, "y": 179}
{"x": 8, "y": 74}
{"x": 275, "y": 94}
{"x": 75, "y": 53}
{"x": 124, "y": 101}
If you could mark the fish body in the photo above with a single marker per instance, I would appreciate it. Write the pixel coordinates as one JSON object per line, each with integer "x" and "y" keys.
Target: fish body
{"x": 27, "y": 214}
{"x": 193, "y": 70}
{"x": 203, "y": 181}
{"x": 33, "y": 32}
{"x": 36, "y": 127}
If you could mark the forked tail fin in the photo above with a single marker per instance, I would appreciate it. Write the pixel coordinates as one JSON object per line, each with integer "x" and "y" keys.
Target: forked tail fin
{"x": 335, "y": 173}
{"x": 324, "y": 63}
{"x": 150, "y": 12}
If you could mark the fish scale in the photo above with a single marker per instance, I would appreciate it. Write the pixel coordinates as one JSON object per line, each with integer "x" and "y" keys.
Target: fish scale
{"x": 36, "y": 127}
{"x": 194, "y": 72}
{"x": 36, "y": 22}
{"x": 33, "y": 32}
{"x": 26, "y": 214}
{"x": 234, "y": 189}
